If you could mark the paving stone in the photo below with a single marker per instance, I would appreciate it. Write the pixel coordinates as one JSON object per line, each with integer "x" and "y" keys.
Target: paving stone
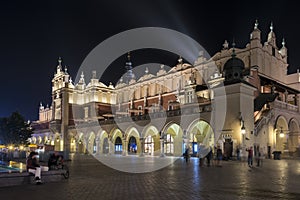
{"x": 90, "y": 179}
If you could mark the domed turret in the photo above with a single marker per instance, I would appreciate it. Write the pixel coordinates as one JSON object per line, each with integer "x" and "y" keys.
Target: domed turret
{"x": 233, "y": 68}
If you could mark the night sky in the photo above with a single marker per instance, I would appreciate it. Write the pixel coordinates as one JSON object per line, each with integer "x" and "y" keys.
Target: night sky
{"x": 35, "y": 33}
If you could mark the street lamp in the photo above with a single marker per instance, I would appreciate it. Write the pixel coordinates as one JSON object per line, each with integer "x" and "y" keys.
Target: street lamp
{"x": 243, "y": 129}
{"x": 281, "y": 134}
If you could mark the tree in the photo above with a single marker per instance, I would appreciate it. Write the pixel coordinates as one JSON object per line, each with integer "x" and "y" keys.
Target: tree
{"x": 14, "y": 129}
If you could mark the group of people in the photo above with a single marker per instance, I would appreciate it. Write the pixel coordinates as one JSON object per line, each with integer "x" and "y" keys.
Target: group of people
{"x": 258, "y": 157}
{"x": 217, "y": 156}
{"x": 33, "y": 166}
{"x": 206, "y": 154}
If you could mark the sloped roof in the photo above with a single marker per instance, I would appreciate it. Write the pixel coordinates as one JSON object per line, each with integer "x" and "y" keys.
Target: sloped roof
{"x": 262, "y": 99}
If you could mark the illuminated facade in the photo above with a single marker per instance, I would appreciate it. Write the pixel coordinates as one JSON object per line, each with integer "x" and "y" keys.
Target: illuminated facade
{"x": 260, "y": 98}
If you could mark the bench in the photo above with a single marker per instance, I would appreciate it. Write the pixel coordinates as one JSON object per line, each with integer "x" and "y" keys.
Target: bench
{"x": 17, "y": 178}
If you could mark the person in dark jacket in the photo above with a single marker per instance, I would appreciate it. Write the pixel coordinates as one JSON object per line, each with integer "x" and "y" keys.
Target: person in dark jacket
{"x": 209, "y": 156}
{"x": 33, "y": 166}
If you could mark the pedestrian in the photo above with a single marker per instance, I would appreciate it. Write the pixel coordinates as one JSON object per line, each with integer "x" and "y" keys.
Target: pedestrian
{"x": 209, "y": 156}
{"x": 186, "y": 155}
{"x": 258, "y": 158}
{"x": 238, "y": 153}
{"x": 219, "y": 156}
{"x": 250, "y": 156}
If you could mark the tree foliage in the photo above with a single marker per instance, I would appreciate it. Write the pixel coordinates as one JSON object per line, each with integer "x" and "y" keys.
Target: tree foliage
{"x": 14, "y": 129}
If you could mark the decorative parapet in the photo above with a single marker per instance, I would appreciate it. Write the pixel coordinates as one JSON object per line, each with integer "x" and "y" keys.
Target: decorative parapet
{"x": 285, "y": 106}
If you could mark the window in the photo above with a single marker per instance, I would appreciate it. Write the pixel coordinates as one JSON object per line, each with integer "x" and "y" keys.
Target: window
{"x": 118, "y": 145}
{"x": 169, "y": 144}
{"x": 273, "y": 51}
{"x": 140, "y": 108}
{"x": 86, "y": 112}
{"x": 189, "y": 98}
{"x": 149, "y": 145}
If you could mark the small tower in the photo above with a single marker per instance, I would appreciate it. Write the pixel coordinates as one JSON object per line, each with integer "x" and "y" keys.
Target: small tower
{"x": 225, "y": 45}
{"x": 81, "y": 83}
{"x": 272, "y": 37}
{"x": 129, "y": 73}
{"x": 283, "y": 50}
{"x": 233, "y": 68}
{"x": 255, "y": 36}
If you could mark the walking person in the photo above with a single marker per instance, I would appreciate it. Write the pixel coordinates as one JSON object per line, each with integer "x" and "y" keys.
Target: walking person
{"x": 238, "y": 157}
{"x": 219, "y": 156}
{"x": 209, "y": 156}
{"x": 258, "y": 158}
{"x": 250, "y": 157}
{"x": 187, "y": 155}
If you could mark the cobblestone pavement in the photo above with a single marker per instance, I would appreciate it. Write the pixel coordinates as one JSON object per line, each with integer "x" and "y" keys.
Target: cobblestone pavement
{"x": 276, "y": 179}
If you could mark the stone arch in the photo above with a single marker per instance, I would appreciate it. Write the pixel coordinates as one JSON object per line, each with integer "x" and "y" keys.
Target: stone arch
{"x": 34, "y": 140}
{"x": 133, "y": 140}
{"x": 57, "y": 142}
{"x": 104, "y": 143}
{"x": 151, "y": 140}
{"x": 173, "y": 139}
{"x": 39, "y": 140}
{"x": 91, "y": 143}
{"x": 293, "y": 135}
{"x": 281, "y": 140}
{"x": 117, "y": 141}
{"x": 81, "y": 143}
{"x": 200, "y": 133}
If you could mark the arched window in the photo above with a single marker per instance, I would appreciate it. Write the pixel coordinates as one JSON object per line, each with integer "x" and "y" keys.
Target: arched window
{"x": 132, "y": 146}
{"x": 94, "y": 146}
{"x": 118, "y": 145}
{"x": 105, "y": 145}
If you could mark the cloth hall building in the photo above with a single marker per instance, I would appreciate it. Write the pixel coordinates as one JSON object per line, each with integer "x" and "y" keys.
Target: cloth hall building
{"x": 250, "y": 100}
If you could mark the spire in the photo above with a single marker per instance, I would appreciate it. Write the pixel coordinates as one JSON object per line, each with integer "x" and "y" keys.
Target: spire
{"x": 146, "y": 70}
{"x": 271, "y": 27}
{"x": 128, "y": 66}
{"x": 255, "y": 35}
{"x": 128, "y": 63}
{"x": 256, "y": 24}
{"x": 271, "y": 36}
{"x": 94, "y": 74}
{"x": 283, "y": 50}
{"x": 225, "y": 45}
{"x": 59, "y": 67}
{"x": 180, "y": 60}
{"x": 283, "y": 43}
{"x": 59, "y": 60}
{"x": 233, "y": 49}
{"x": 66, "y": 70}
{"x": 81, "y": 80}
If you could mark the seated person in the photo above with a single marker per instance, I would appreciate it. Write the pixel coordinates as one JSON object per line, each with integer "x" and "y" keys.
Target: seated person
{"x": 33, "y": 166}
{"x": 55, "y": 161}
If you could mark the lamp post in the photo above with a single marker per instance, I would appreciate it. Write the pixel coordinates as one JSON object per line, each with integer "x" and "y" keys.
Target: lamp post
{"x": 281, "y": 135}
{"x": 162, "y": 144}
{"x": 243, "y": 132}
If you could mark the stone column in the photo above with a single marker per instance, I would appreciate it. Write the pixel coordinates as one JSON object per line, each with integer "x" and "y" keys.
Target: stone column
{"x": 162, "y": 147}
{"x": 142, "y": 147}
{"x": 97, "y": 146}
{"x": 110, "y": 147}
{"x": 125, "y": 152}
{"x": 86, "y": 146}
